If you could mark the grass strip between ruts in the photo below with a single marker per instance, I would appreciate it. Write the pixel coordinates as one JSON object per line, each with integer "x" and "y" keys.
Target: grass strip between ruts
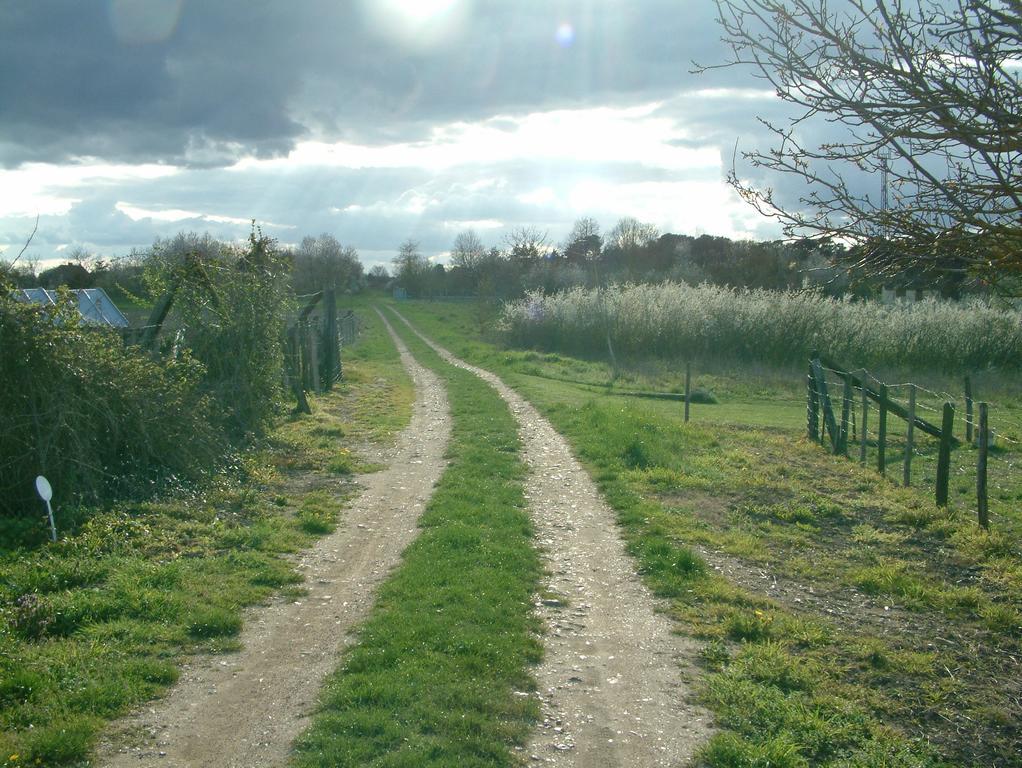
{"x": 438, "y": 675}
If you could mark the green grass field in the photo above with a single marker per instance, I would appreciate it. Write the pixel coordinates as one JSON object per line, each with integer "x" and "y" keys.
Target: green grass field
{"x": 848, "y": 621}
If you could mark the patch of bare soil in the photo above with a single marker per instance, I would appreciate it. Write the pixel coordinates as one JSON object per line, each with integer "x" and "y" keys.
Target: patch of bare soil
{"x": 843, "y": 606}
{"x": 245, "y": 709}
{"x": 612, "y": 683}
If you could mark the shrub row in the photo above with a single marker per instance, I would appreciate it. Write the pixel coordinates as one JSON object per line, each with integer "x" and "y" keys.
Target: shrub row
{"x": 100, "y": 418}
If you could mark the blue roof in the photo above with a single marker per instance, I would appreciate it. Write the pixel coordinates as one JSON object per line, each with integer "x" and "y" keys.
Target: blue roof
{"x": 93, "y": 303}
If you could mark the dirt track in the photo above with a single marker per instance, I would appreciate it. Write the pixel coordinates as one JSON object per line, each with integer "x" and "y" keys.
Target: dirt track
{"x": 610, "y": 683}
{"x": 245, "y": 709}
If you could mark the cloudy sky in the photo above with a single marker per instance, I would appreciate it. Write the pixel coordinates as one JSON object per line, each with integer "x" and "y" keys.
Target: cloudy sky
{"x": 374, "y": 120}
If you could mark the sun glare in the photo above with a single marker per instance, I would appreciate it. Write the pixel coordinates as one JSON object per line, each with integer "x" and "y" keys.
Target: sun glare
{"x": 415, "y": 23}
{"x": 565, "y": 35}
{"x": 418, "y": 10}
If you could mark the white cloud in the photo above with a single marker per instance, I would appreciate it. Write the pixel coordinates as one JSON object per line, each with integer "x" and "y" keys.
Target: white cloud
{"x": 51, "y": 190}
{"x": 542, "y": 169}
{"x": 692, "y": 207}
{"x": 137, "y": 213}
{"x": 463, "y": 224}
{"x": 730, "y": 94}
{"x": 541, "y": 196}
{"x": 599, "y": 135}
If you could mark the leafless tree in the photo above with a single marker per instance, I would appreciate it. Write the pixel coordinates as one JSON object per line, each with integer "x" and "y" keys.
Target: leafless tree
{"x": 28, "y": 242}
{"x": 584, "y": 242}
{"x": 322, "y": 262}
{"x": 526, "y": 243}
{"x": 411, "y": 268}
{"x": 630, "y": 233}
{"x": 468, "y": 251}
{"x": 928, "y": 95}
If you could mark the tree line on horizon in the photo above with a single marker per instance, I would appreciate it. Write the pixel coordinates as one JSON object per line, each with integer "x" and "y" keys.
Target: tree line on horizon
{"x": 637, "y": 252}
{"x": 630, "y": 252}
{"x": 315, "y": 263}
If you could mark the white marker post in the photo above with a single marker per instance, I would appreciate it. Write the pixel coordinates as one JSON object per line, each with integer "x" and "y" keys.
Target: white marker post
{"x": 42, "y": 485}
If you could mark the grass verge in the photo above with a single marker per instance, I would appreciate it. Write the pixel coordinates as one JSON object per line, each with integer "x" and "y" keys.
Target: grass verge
{"x": 848, "y": 621}
{"x": 99, "y": 622}
{"x": 439, "y": 675}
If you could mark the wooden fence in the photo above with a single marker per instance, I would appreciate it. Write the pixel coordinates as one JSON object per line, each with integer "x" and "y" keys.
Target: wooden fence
{"x": 858, "y": 389}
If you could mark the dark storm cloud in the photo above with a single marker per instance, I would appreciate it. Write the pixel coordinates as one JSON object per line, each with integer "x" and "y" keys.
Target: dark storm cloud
{"x": 230, "y": 78}
{"x": 69, "y": 86}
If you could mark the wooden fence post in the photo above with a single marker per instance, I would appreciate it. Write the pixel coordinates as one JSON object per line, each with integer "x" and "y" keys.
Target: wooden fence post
{"x": 944, "y": 457}
{"x": 295, "y": 370}
{"x": 688, "y": 387}
{"x": 981, "y": 468}
{"x": 828, "y": 411}
{"x": 154, "y": 324}
{"x": 862, "y": 428}
{"x": 812, "y": 406}
{"x": 968, "y": 410}
{"x": 909, "y": 442}
{"x": 349, "y": 328}
{"x": 882, "y": 432}
{"x": 303, "y": 354}
{"x": 312, "y": 338}
{"x": 846, "y": 408}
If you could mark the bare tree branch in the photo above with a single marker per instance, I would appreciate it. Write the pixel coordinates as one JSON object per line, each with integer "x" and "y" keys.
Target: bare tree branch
{"x": 927, "y": 88}
{"x": 27, "y": 242}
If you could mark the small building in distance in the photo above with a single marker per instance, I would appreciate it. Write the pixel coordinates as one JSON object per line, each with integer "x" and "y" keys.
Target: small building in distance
{"x": 93, "y": 304}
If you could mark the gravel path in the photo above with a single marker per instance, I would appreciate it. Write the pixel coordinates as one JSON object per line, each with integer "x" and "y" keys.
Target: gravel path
{"x": 611, "y": 680}
{"x": 245, "y": 709}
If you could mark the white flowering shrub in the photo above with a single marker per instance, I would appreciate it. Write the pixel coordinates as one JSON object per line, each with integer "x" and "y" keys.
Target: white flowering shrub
{"x": 678, "y": 320}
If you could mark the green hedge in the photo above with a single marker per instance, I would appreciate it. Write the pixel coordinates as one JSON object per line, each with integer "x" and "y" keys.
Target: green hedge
{"x": 101, "y": 419}
{"x": 92, "y": 415}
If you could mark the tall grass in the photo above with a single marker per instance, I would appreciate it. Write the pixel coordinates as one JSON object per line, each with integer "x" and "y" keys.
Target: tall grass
{"x": 678, "y": 320}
